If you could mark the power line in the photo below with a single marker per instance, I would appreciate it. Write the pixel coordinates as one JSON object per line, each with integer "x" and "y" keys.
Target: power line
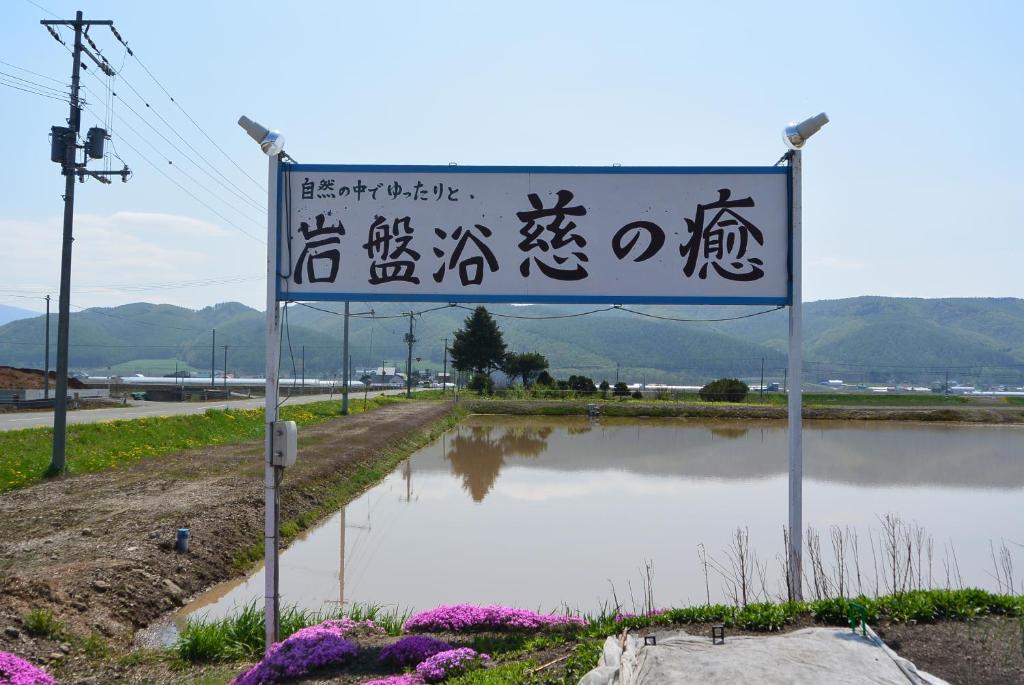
{"x": 140, "y": 287}
{"x": 32, "y": 2}
{"x": 178, "y": 167}
{"x": 192, "y": 195}
{"x": 672, "y": 318}
{"x": 94, "y": 310}
{"x": 34, "y": 84}
{"x": 33, "y": 92}
{"x": 182, "y": 109}
{"x": 176, "y": 149}
{"x": 539, "y": 318}
{"x": 240, "y": 193}
{"x": 35, "y": 73}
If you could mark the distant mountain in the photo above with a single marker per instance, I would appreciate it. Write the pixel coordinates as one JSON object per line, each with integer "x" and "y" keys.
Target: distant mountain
{"x": 8, "y": 314}
{"x": 863, "y": 339}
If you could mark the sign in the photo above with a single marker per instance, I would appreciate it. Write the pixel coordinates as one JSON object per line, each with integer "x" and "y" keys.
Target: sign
{"x": 655, "y": 235}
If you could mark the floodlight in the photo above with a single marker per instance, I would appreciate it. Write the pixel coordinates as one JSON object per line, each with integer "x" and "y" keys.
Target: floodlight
{"x": 795, "y": 135}
{"x": 271, "y": 142}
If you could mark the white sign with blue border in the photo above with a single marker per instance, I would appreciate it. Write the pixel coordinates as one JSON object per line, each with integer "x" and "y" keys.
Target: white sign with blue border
{"x": 655, "y": 235}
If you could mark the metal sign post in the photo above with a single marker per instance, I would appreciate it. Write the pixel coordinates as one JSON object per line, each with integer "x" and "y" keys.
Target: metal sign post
{"x": 271, "y": 472}
{"x": 794, "y": 397}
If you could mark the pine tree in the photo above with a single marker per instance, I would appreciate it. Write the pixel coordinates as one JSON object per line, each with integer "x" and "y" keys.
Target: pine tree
{"x": 479, "y": 345}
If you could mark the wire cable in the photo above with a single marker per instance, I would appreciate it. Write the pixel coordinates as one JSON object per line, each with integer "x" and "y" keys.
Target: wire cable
{"x": 540, "y": 318}
{"x": 193, "y": 196}
{"x": 29, "y": 83}
{"x": 33, "y": 92}
{"x": 240, "y": 193}
{"x": 672, "y": 318}
{"x": 180, "y": 169}
{"x": 176, "y": 149}
{"x": 35, "y": 73}
{"x": 182, "y": 109}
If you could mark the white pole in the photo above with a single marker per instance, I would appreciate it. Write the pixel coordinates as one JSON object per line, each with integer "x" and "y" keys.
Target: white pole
{"x": 270, "y": 475}
{"x": 795, "y": 399}
{"x": 344, "y": 365}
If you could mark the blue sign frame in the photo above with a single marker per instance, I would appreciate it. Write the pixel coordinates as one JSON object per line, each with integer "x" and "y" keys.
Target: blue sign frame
{"x": 297, "y": 296}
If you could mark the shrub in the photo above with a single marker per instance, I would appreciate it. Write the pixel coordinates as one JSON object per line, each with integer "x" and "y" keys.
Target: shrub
{"x": 544, "y": 378}
{"x": 583, "y": 385}
{"x": 450, "y": 663}
{"x": 637, "y": 395}
{"x": 482, "y": 384}
{"x": 469, "y": 617}
{"x": 724, "y": 390}
{"x": 17, "y": 671}
{"x": 411, "y": 650}
{"x": 307, "y": 649}
{"x": 621, "y": 390}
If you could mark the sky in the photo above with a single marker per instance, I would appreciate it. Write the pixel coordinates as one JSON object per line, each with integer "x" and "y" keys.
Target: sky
{"x": 913, "y": 189}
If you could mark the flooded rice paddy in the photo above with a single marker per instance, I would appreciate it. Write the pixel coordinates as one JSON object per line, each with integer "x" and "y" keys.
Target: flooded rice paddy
{"x": 542, "y": 512}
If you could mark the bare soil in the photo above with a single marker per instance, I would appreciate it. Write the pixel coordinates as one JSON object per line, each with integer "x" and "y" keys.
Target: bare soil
{"x": 987, "y": 651}
{"x": 97, "y": 549}
{"x": 12, "y": 378}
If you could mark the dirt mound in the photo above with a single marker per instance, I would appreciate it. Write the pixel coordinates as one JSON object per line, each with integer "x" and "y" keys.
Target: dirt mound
{"x": 12, "y": 378}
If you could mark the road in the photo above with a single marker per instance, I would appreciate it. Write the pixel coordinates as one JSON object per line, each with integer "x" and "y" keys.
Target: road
{"x": 135, "y": 410}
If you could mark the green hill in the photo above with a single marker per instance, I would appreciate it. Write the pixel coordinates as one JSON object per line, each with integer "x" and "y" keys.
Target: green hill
{"x": 863, "y": 339}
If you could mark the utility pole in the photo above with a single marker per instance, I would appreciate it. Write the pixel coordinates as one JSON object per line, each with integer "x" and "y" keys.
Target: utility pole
{"x": 946, "y": 392}
{"x": 225, "y": 369}
{"x": 46, "y": 353}
{"x": 762, "y": 378}
{"x": 303, "y": 368}
{"x": 409, "y": 339}
{"x": 64, "y": 151}
{"x": 444, "y": 374}
{"x": 616, "y": 373}
{"x": 213, "y": 361}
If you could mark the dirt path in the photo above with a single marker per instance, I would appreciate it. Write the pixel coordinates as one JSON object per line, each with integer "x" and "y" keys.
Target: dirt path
{"x": 97, "y": 551}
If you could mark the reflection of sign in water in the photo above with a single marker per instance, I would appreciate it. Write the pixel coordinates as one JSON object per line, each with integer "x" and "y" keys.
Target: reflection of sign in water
{"x": 657, "y": 235}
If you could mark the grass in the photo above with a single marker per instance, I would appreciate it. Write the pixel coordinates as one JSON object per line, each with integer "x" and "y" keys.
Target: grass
{"x": 241, "y": 638}
{"x": 42, "y": 623}
{"x": 97, "y": 446}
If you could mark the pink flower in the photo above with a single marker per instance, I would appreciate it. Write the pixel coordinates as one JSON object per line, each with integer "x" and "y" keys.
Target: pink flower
{"x": 467, "y": 617}
{"x": 16, "y": 671}
{"x": 452, "y": 662}
{"x": 307, "y": 649}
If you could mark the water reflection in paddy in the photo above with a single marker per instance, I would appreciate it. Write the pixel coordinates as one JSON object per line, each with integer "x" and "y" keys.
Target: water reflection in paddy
{"x": 539, "y": 512}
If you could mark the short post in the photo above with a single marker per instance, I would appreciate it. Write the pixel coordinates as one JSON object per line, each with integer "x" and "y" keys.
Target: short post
{"x": 46, "y": 353}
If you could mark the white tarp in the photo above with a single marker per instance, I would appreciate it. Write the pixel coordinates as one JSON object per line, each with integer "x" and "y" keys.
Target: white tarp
{"x": 543, "y": 234}
{"x": 812, "y": 655}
